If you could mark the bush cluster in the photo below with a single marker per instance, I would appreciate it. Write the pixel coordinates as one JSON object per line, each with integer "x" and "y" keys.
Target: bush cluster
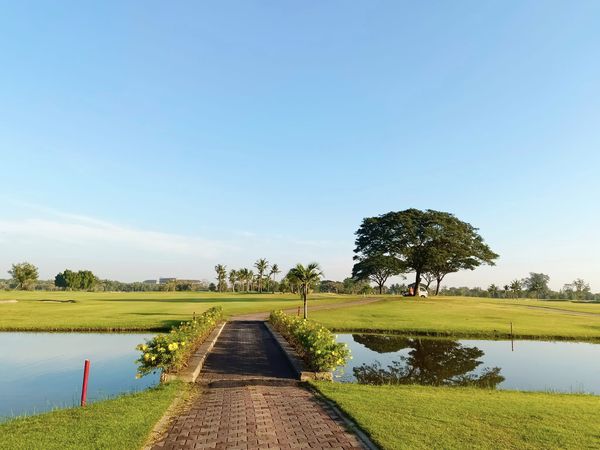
{"x": 314, "y": 343}
{"x": 170, "y": 352}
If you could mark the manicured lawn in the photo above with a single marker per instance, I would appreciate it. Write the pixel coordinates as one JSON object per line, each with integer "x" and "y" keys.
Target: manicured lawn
{"x": 132, "y": 311}
{"x": 420, "y": 417}
{"x": 121, "y": 423}
{"x": 475, "y": 317}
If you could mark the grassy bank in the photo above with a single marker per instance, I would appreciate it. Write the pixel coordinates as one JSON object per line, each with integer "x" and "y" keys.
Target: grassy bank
{"x": 419, "y": 417}
{"x": 115, "y": 311}
{"x": 122, "y": 422}
{"x": 467, "y": 316}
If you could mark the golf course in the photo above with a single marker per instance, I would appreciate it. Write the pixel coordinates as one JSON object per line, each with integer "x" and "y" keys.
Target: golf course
{"x": 436, "y": 316}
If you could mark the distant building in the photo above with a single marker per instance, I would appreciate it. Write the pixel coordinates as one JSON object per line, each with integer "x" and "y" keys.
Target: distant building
{"x": 150, "y": 281}
{"x": 166, "y": 280}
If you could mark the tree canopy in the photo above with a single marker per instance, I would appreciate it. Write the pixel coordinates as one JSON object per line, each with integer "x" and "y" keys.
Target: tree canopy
{"x": 24, "y": 275}
{"x": 377, "y": 268}
{"x": 305, "y": 277}
{"x": 81, "y": 280}
{"x": 423, "y": 241}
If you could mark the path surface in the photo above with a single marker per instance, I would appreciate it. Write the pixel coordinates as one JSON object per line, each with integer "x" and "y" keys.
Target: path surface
{"x": 251, "y": 400}
{"x": 311, "y": 307}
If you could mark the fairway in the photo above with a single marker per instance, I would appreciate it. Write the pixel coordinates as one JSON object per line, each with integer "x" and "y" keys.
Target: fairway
{"x": 422, "y": 417}
{"x": 40, "y": 310}
{"x": 469, "y": 317}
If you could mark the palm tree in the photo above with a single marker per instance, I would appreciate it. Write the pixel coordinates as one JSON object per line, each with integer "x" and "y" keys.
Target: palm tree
{"x": 261, "y": 265}
{"x": 274, "y": 271}
{"x": 233, "y": 277}
{"x": 243, "y": 276}
{"x": 516, "y": 286}
{"x": 221, "y": 277}
{"x": 248, "y": 279}
{"x": 305, "y": 278}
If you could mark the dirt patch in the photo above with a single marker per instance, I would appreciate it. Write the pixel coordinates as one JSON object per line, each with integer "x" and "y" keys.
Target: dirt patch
{"x": 58, "y": 301}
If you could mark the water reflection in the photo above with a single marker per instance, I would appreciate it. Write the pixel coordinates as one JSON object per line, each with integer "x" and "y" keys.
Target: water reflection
{"x": 430, "y": 362}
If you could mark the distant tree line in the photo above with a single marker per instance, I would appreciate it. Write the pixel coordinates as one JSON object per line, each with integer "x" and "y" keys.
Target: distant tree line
{"x": 535, "y": 286}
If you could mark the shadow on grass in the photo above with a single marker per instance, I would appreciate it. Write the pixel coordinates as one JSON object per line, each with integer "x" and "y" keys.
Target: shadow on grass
{"x": 201, "y": 300}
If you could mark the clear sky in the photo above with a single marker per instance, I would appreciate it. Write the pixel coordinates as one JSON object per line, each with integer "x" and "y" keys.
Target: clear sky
{"x": 146, "y": 139}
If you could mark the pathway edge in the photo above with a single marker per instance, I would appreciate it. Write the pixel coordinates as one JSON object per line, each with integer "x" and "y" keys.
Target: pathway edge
{"x": 190, "y": 373}
{"x": 294, "y": 359}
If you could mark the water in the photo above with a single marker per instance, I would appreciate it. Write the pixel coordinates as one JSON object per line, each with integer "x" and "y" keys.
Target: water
{"x": 572, "y": 367}
{"x": 43, "y": 371}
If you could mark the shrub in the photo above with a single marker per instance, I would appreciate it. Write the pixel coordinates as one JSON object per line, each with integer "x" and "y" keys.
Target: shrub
{"x": 314, "y": 343}
{"x": 170, "y": 352}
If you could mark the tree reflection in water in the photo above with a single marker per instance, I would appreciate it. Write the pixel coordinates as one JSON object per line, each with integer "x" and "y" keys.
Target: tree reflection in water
{"x": 436, "y": 362}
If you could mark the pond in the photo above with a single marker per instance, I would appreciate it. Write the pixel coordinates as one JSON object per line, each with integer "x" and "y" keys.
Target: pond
{"x": 44, "y": 371}
{"x": 572, "y": 367}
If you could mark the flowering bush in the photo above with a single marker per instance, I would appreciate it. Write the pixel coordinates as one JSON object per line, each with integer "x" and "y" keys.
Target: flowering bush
{"x": 171, "y": 351}
{"x": 313, "y": 342}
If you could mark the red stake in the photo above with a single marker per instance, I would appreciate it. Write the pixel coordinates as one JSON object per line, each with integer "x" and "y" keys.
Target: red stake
{"x": 86, "y": 373}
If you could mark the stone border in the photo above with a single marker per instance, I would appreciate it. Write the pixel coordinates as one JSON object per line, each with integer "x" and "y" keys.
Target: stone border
{"x": 296, "y": 362}
{"x": 191, "y": 372}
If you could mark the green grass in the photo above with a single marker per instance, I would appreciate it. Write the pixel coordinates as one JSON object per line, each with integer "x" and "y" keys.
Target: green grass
{"x": 114, "y": 311}
{"x": 467, "y": 316}
{"x": 420, "y": 417}
{"x": 122, "y": 422}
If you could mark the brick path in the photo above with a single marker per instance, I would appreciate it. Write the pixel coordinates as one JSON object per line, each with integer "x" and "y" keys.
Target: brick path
{"x": 250, "y": 400}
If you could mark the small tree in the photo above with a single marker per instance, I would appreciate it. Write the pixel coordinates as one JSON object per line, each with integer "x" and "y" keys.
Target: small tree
{"x": 516, "y": 286}
{"x": 24, "y": 275}
{"x": 233, "y": 277}
{"x": 221, "y": 277}
{"x": 578, "y": 289}
{"x": 377, "y": 269}
{"x": 305, "y": 278}
{"x": 274, "y": 271}
{"x": 493, "y": 290}
{"x": 261, "y": 266}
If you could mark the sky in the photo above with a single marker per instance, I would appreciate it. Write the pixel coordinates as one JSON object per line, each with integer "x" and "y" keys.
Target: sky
{"x": 147, "y": 139}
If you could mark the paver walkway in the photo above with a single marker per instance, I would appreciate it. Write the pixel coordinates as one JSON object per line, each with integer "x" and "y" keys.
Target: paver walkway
{"x": 251, "y": 400}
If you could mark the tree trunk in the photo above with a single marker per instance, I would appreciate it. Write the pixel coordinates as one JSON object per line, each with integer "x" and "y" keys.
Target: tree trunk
{"x": 417, "y": 284}
{"x": 380, "y": 289}
{"x": 439, "y": 283}
{"x": 304, "y": 296}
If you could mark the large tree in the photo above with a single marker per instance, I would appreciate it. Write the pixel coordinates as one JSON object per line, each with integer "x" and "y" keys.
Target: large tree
{"x": 537, "y": 284}
{"x": 305, "y": 278}
{"x": 423, "y": 241}
{"x": 24, "y": 275}
{"x": 377, "y": 268}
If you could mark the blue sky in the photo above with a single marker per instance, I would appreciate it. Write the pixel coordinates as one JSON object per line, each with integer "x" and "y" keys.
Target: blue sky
{"x": 145, "y": 139}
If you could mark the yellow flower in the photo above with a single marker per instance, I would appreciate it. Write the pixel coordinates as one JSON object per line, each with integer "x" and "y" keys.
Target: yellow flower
{"x": 146, "y": 356}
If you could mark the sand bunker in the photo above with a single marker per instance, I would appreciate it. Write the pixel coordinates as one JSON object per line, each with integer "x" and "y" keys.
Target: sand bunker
{"x": 9, "y": 301}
